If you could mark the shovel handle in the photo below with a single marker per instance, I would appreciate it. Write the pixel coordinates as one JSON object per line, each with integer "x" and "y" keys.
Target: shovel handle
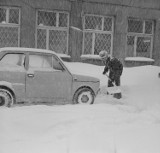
{"x": 111, "y": 80}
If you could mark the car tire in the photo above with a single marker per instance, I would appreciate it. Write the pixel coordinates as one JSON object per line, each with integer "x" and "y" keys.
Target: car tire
{"x": 6, "y": 98}
{"x": 84, "y": 96}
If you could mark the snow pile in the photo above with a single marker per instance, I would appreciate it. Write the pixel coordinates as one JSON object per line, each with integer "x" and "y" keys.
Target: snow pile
{"x": 128, "y": 125}
{"x": 139, "y": 59}
{"x": 142, "y": 85}
{"x": 90, "y": 56}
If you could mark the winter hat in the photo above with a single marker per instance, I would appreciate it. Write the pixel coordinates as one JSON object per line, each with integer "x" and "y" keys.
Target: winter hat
{"x": 103, "y": 54}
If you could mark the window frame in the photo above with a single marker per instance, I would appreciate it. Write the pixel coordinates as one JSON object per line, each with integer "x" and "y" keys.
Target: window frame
{"x": 13, "y": 25}
{"x": 39, "y": 68}
{"x": 46, "y": 68}
{"x": 8, "y": 13}
{"x": 143, "y": 34}
{"x": 16, "y": 53}
{"x": 48, "y": 28}
{"x": 95, "y": 31}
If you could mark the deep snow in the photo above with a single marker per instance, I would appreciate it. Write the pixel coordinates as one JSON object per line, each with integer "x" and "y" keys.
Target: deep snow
{"x": 128, "y": 125}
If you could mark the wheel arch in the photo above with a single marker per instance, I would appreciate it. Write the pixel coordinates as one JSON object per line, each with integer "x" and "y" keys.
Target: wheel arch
{"x": 82, "y": 88}
{"x": 9, "y": 89}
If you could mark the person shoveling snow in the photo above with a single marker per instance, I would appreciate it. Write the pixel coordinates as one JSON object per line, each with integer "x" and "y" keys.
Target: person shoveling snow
{"x": 115, "y": 69}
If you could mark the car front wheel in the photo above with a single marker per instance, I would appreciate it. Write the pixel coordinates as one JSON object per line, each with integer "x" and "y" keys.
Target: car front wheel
{"x": 6, "y": 98}
{"x": 84, "y": 96}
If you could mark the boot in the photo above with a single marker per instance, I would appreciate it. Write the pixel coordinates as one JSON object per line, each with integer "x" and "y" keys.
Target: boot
{"x": 117, "y": 95}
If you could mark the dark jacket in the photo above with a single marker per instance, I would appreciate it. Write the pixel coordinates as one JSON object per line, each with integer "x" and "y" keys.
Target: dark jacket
{"x": 114, "y": 66}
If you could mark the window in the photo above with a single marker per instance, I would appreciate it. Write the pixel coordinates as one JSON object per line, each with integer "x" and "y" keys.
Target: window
{"x": 40, "y": 61}
{"x": 9, "y": 26}
{"x": 45, "y": 62}
{"x": 14, "y": 59}
{"x": 56, "y": 64}
{"x": 98, "y": 34}
{"x": 52, "y": 31}
{"x": 139, "y": 37}
{"x": 9, "y": 15}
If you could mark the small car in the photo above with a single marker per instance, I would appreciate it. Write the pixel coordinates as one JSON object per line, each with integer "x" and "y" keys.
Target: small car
{"x": 30, "y": 75}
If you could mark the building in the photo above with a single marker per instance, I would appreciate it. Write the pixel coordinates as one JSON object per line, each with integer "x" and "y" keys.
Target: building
{"x": 80, "y": 29}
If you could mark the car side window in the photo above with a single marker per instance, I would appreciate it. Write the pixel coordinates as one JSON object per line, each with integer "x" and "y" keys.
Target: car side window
{"x": 40, "y": 61}
{"x": 14, "y": 59}
{"x": 56, "y": 64}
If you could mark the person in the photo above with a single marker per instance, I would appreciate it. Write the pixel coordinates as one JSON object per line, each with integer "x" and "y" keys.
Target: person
{"x": 113, "y": 66}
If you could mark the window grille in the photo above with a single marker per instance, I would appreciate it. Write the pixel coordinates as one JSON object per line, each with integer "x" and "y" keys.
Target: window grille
{"x": 3, "y": 15}
{"x": 148, "y": 27}
{"x": 143, "y": 46}
{"x": 135, "y": 26}
{"x": 52, "y": 31}
{"x": 139, "y": 37}
{"x": 102, "y": 42}
{"x": 63, "y": 20}
{"x": 9, "y": 27}
{"x": 93, "y": 22}
{"x": 130, "y": 40}
{"x": 46, "y": 18}
{"x": 57, "y": 39}
{"x": 108, "y": 24}
{"x": 41, "y": 38}
{"x": 14, "y": 16}
{"x": 87, "y": 42}
{"x": 97, "y": 34}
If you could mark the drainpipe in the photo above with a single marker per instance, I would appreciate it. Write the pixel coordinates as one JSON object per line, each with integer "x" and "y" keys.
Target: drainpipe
{"x": 75, "y": 30}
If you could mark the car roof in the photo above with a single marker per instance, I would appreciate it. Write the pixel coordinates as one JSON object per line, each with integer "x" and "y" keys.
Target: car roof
{"x": 26, "y": 50}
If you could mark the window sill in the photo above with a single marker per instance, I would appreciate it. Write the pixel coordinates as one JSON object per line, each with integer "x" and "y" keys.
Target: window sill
{"x": 64, "y": 57}
{"x": 90, "y": 56}
{"x": 92, "y": 59}
{"x": 139, "y": 59}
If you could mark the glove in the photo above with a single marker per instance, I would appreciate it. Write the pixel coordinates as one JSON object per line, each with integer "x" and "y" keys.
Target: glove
{"x": 104, "y": 73}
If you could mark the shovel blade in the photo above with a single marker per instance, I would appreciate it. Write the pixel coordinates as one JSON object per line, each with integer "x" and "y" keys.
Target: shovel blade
{"x": 113, "y": 90}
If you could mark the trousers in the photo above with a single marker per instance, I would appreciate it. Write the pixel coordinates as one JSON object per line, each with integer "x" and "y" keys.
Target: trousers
{"x": 114, "y": 77}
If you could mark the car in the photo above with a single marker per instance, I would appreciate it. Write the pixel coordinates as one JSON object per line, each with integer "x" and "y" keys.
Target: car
{"x": 30, "y": 75}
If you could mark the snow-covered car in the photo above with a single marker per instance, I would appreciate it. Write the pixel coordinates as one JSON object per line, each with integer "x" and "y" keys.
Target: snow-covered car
{"x": 38, "y": 75}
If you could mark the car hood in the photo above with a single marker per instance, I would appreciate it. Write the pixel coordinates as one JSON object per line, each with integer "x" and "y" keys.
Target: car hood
{"x": 83, "y": 78}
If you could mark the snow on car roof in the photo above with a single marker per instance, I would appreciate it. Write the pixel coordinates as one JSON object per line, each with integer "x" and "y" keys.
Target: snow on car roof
{"x": 26, "y": 49}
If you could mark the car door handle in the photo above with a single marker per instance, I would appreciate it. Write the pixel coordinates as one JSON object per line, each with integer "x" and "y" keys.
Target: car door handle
{"x": 31, "y": 75}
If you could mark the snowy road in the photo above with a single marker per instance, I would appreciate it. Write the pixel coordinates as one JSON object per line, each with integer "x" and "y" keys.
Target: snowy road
{"x": 128, "y": 125}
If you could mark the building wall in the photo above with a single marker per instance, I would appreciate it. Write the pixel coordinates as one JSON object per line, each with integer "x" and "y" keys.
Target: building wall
{"x": 151, "y": 4}
{"x": 28, "y": 15}
{"x": 119, "y": 9}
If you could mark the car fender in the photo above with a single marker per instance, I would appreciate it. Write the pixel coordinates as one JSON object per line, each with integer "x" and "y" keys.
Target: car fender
{"x": 7, "y": 84}
{"x": 80, "y": 81}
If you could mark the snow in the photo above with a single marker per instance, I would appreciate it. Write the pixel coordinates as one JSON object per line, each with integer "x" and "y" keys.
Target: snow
{"x": 127, "y": 125}
{"x": 63, "y": 55}
{"x": 142, "y": 59}
{"x": 75, "y": 28}
{"x": 15, "y": 49}
{"x": 90, "y": 56}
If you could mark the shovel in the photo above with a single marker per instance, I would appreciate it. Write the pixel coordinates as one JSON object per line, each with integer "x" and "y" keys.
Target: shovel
{"x": 115, "y": 90}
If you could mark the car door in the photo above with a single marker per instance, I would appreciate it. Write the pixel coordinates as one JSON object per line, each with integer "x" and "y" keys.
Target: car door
{"x": 12, "y": 70}
{"x": 47, "y": 80}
